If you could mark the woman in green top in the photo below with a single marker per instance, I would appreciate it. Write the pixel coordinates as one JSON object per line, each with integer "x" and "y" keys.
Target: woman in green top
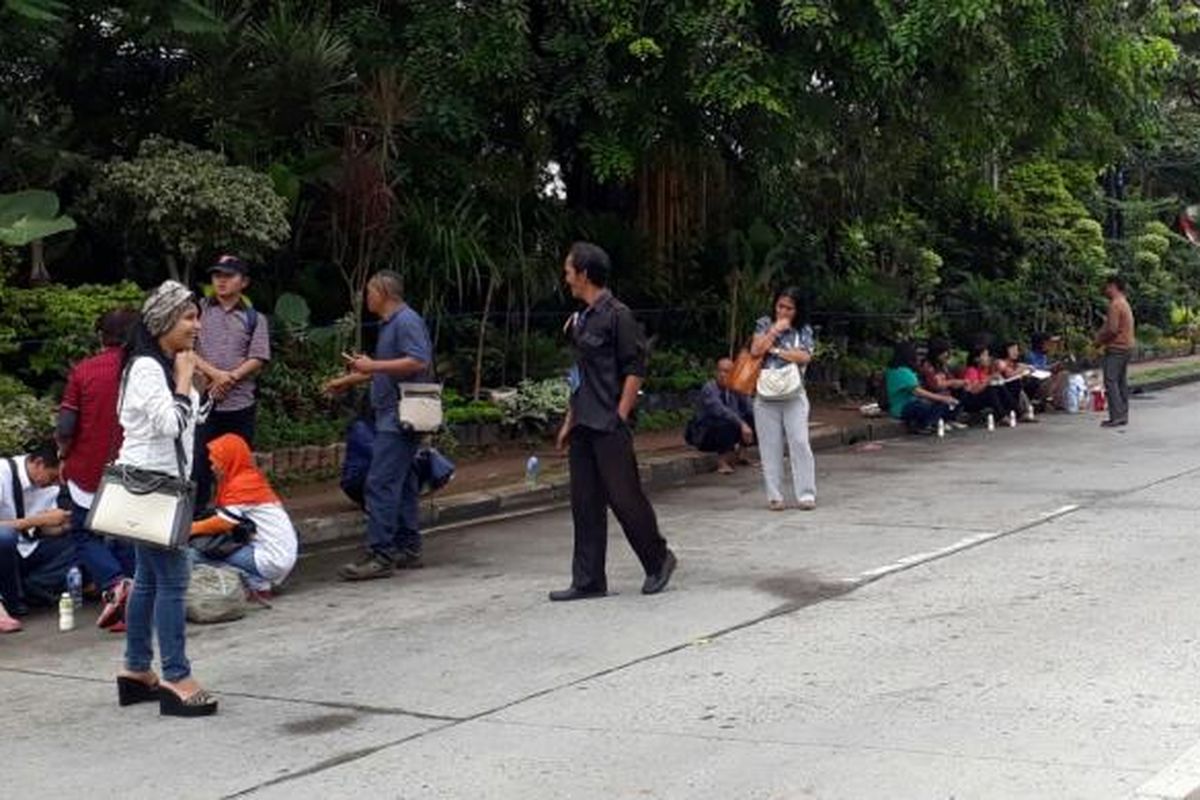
{"x": 919, "y": 408}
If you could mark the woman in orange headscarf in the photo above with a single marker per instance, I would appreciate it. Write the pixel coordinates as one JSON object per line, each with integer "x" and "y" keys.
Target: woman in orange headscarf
{"x": 246, "y": 502}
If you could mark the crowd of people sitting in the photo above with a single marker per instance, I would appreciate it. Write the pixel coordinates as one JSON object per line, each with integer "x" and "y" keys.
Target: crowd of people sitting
{"x": 919, "y": 388}
{"x": 1001, "y": 381}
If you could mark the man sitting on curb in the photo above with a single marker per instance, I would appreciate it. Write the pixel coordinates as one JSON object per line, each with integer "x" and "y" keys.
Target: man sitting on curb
{"x": 34, "y": 553}
{"x": 724, "y": 420}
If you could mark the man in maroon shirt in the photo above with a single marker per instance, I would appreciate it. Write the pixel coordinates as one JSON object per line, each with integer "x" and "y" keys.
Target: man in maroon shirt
{"x": 88, "y": 435}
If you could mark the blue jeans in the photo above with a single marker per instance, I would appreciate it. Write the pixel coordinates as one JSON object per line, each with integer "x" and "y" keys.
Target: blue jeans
{"x": 40, "y": 578}
{"x": 393, "y": 517}
{"x": 106, "y": 561}
{"x": 158, "y": 601}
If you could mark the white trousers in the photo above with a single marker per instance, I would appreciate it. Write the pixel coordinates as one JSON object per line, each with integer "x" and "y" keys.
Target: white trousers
{"x": 777, "y": 421}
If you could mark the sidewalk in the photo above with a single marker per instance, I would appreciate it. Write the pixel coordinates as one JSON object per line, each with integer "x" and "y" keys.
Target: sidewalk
{"x": 493, "y": 485}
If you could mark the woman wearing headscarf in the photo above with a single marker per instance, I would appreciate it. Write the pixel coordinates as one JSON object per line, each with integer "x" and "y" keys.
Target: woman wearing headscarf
{"x": 245, "y": 499}
{"x": 158, "y": 407}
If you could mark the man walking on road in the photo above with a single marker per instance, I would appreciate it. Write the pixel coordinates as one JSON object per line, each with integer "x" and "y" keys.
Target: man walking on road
{"x": 1116, "y": 337}
{"x": 403, "y": 353}
{"x": 234, "y": 345}
{"x": 610, "y": 364}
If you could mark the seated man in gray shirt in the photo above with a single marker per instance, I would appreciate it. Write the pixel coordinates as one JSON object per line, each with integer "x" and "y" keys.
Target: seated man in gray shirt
{"x": 724, "y": 420}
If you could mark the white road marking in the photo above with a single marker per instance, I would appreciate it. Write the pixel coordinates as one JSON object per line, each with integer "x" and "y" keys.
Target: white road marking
{"x": 917, "y": 559}
{"x": 1179, "y": 781}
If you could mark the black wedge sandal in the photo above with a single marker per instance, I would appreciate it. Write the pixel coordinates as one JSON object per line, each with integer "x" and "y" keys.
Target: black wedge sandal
{"x": 131, "y": 690}
{"x": 200, "y": 704}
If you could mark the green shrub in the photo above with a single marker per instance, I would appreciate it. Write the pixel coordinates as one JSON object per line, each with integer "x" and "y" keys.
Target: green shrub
{"x": 276, "y": 430}
{"x": 57, "y": 323}
{"x": 477, "y": 412}
{"x": 1149, "y": 335}
{"x": 537, "y": 402}
{"x": 11, "y": 388}
{"x": 671, "y": 370}
{"x": 24, "y": 421}
{"x": 651, "y": 421}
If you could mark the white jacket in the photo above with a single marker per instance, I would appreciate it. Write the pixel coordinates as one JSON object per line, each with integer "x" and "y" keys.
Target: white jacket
{"x": 153, "y": 417}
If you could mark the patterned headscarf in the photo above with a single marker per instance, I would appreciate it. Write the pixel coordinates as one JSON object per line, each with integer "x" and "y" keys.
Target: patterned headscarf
{"x": 165, "y": 306}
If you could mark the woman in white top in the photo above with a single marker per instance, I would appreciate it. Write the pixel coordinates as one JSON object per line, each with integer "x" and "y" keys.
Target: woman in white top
{"x": 159, "y": 408}
{"x": 244, "y": 495}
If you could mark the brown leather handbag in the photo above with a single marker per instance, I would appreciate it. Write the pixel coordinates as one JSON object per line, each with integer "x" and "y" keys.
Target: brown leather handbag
{"x": 746, "y": 367}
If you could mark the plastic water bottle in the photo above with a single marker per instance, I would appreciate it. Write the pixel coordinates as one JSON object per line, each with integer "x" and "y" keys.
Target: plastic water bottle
{"x": 941, "y": 429}
{"x": 66, "y": 612}
{"x": 991, "y": 421}
{"x": 533, "y": 468}
{"x": 1029, "y": 415}
{"x": 75, "y": 586}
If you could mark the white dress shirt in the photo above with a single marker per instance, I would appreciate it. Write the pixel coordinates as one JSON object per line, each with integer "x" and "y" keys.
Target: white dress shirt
{"x": 153, "y": 417}
{"x": 36, "y": 499}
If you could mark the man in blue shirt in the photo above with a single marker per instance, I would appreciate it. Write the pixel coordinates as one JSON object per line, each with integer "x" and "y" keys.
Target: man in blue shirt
{"x": 1042, "y": 355}
{"x": 402, "y": 354}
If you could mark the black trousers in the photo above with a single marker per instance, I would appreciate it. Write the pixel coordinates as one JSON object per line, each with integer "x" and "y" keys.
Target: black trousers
{"x": 994, "y": 397}
{"x": 716, "y": 435}
{"x": 604, "y": 474}
{"x": 218, "y": 423}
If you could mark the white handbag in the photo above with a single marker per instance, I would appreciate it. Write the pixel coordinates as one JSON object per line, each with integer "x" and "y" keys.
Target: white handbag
{"x": 420, "y": 407}
{"x": 780, "y": 383}
{"x": 144, "y": 507}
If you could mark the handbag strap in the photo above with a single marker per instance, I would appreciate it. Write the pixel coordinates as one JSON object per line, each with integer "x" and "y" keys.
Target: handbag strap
{"x": 18, "y": 493}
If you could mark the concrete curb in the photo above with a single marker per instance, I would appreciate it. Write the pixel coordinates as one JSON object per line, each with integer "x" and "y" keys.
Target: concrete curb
{"x": 473, "y": 507}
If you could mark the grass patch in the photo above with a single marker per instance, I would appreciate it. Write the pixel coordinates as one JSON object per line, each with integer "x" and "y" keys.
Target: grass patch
{"x": 1164, "y": 373}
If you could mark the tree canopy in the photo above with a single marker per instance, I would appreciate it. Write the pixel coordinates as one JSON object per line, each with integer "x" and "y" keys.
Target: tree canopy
{"x": 916, "y": 166}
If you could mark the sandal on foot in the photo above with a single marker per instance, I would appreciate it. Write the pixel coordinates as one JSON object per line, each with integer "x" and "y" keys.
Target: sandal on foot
{"x": 776, "y": 505}
{"x": 198, "y": 704}
{"x": 132, "y": 690}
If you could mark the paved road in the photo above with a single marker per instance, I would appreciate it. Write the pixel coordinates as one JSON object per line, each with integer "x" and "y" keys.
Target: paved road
{"x": 1005, "y": 615}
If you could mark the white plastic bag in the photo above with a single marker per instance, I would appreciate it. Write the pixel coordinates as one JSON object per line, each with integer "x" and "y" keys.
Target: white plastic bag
{"x": 1076, "y": 394}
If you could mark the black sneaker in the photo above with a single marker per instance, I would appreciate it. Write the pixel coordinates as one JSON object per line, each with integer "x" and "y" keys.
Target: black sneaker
{"x": 408, "y": 559}
{"x": 372, "y": 566}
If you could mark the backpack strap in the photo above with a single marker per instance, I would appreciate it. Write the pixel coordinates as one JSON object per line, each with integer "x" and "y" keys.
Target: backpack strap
{"x": 18, "y": 492}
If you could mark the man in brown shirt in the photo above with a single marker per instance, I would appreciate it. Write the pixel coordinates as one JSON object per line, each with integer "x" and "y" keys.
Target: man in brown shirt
{"x": 1116, "y": 337}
